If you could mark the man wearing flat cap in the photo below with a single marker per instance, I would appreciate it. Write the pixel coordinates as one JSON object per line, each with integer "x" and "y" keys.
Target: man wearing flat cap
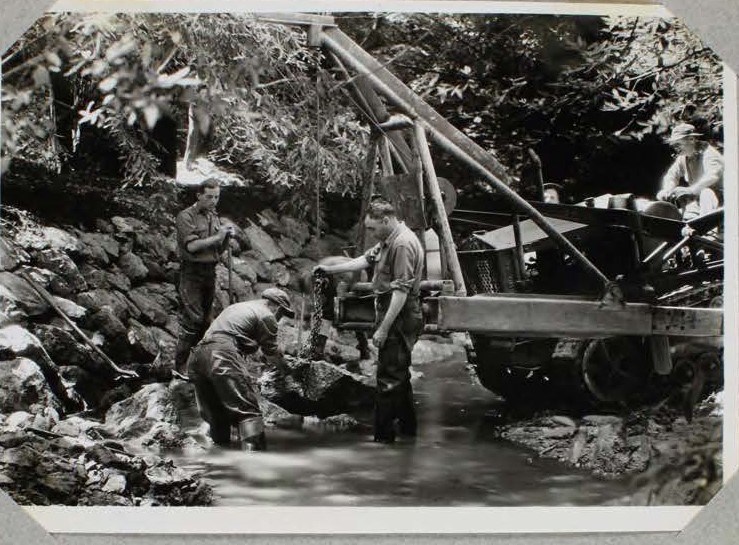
{"x": 224, "y": 369}
{"x": 697, "y": 173}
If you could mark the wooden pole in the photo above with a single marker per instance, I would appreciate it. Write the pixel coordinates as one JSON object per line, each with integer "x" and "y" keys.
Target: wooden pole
{"x": 230, "y": 275}
{"x": 446, "y": 240}
{"x": 369, "y": 184}
{"x": 448, "y": 137}
{"x": 385, "y": 157}
{"x": 47, "y": 297}
{"x": 519, "y": 247}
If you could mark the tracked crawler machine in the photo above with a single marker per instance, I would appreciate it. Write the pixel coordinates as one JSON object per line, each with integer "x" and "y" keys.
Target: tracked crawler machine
{"x": 604, "y": 300}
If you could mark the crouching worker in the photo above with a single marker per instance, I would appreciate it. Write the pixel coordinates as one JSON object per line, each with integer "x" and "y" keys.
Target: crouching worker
{"x": 224, "y": 369}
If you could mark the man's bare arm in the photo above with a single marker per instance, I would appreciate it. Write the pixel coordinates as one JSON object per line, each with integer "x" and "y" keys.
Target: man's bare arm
{"x": 357, "y": 264}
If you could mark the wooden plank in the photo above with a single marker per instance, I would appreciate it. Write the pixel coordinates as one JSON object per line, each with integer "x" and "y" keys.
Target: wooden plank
{"x": 542, "y": 316}
{"x": 688, "y": 322}
{"x": 340, "y": 43}
{"x": 445, "y": 234}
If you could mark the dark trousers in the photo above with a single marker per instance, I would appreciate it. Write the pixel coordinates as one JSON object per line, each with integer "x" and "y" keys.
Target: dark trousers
{"x": 225, "y": 386}
{"x": 394, "y": 393}
{"x": 196, "y": 290}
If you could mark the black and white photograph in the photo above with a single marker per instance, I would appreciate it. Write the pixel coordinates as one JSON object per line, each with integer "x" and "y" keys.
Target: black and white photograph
{"x": 363, "y": 259}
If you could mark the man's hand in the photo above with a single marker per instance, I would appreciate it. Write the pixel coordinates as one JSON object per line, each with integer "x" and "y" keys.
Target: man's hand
{"x": 320, "y": 269}
{"x": 379, "y": 338}
{"x": 226, "y": 231}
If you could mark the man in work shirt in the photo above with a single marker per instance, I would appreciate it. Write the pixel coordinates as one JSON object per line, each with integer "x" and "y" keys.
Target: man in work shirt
{"x": 398, "y": 268}
{"x": 698, "y": 171}
{"x": 224, "y": 370}
{"x": 200, "y": 241}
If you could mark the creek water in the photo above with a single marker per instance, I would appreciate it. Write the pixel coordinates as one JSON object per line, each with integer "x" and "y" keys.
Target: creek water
{"x": 455, "y": 461}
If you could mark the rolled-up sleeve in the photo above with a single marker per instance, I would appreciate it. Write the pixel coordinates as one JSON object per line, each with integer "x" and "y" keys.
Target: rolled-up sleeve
{"x": 403, "y": 269}
{"x": 186, "y": 229}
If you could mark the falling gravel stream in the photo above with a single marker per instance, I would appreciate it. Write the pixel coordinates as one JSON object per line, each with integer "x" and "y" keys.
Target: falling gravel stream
{"x": 455, "y": 461}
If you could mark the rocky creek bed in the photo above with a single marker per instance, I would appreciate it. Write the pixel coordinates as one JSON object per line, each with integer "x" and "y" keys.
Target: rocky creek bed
{"x": 70, "y": 433}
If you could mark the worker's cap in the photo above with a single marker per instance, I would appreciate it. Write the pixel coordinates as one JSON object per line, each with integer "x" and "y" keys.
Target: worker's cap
{"x": 280, "y": 298}
{"x": 683, "y": 130}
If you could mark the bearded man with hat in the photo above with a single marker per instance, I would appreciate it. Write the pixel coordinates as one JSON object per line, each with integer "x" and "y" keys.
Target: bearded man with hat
{"x": 224, "y": 368}
{"x": 697, "y": 172}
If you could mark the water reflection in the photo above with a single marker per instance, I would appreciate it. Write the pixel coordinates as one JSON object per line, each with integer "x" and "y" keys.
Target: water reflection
{"x": 455, "y": 461}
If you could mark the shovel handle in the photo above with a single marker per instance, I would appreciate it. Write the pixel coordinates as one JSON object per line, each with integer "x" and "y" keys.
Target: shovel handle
{"x": 46, "y": 296}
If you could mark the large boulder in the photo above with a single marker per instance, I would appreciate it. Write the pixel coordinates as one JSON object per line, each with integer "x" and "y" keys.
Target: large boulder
{"x": 119, "y": 304}
{"x": 64, "y": 348}
{"x": 70, "y": 308}
{"x": 59, "y": 262}
{"x": 154, "y": 307}
{"x": 280, "y": 274}
{"x": 23, "y": 387}
{"x": 244, "y": 270}
{"x": 18, "y": 299}
{"x": 144, "y": 345}
{"x": 260, "y": 241}
{"x": 99, "y": 241}
{"x": 137, "y": 415}
{"x": 128, "y": 226}
{"x": 289, "y": 246}
{"x": 111, "y": 278}
{"x": 11, "y": 256}
{"x": 133, "y": 267}
{"x": 16, "y": 343}
{"x": 295, "y": 229}
{"x": 319, "y": 388}
{"x": 107, "y": 322}
{"x": 259, "y": 264}
{"x": 241, "y": 290}
{"x": 157, "y": 416}
{"x": 49, "y": 280}
{"x": 160, "y": 246}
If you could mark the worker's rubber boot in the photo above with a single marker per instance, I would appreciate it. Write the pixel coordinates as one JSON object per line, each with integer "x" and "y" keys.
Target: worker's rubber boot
{"x": 254, "y": 443}
{"x": 251, "y": 434}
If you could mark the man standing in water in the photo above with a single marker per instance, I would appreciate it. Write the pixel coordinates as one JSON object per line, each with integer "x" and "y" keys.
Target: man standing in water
{"x": 200, "y": 241}
{"x": 398, "y": 268}
{"x": 224, "y": 371}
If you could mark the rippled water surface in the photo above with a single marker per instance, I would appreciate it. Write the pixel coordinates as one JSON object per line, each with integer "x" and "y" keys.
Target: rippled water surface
{"x": 455, "y": 461}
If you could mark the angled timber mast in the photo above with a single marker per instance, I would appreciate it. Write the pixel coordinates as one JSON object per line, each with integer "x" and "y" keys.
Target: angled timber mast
{"x": 531, "y": 315}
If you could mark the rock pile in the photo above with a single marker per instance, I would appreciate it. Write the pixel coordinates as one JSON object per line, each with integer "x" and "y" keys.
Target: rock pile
{"x": 118, "y": 284}
{"x": 675, "y": 462}
{"x": 44, "y": 461}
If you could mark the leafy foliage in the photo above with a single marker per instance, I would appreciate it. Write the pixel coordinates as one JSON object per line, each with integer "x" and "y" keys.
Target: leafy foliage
{"x": 593, "y": 96}
{"x": 581, "y": 91}
{"x": 258, "y": 93}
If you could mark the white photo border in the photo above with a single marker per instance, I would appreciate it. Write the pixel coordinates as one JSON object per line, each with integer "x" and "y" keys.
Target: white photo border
{"x": 382, "y": 521}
